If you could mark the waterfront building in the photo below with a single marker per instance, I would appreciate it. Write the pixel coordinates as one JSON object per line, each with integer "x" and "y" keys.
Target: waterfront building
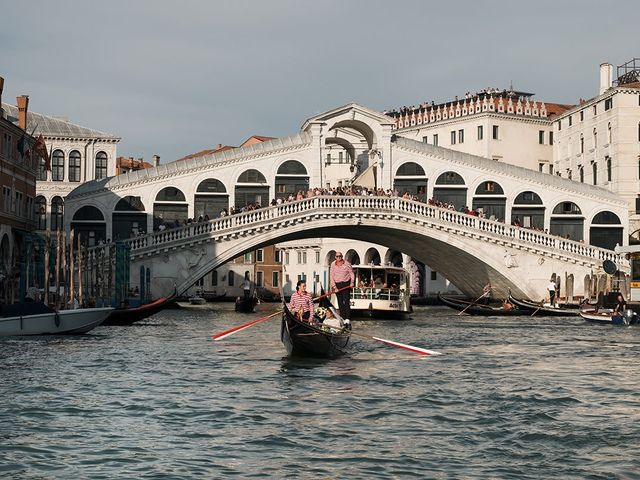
{"x": 598, "y": 141}
{"x": 505, "y": 125}
{"x": 18, "y": 166}
{"x": 78, "y": 155}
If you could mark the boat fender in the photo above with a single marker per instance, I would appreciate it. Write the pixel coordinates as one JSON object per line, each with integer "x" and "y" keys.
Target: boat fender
{"x": 57, "y": 319}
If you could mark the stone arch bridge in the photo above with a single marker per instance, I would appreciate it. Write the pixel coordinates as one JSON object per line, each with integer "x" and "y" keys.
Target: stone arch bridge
{"x": 467, "y": 249}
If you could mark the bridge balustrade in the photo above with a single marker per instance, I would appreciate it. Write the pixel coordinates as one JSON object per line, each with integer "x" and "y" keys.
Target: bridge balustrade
{"x": 354, "y": 205}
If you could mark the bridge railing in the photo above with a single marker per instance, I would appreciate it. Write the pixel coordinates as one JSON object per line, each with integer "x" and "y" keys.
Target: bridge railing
{"x": 355, "y": 205}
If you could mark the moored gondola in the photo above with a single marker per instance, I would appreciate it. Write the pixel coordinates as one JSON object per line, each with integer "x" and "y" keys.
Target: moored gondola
{"x": 543, "y": 310}
{"x": 130, "y": 315}
{"x": 246, "y": 305}
{"x": 473, "y": 308}
{"x": 314, "y": 339}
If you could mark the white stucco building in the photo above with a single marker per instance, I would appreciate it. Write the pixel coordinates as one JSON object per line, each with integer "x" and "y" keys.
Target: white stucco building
{"x": 598, "y": 141}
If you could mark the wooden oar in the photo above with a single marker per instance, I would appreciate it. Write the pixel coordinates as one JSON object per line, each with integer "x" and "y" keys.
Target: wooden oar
{"x": 231, "y": 331}
{"x": 536, "y": 310}
{"x": 471, "y": 304}
{"x": 411, "y": 348}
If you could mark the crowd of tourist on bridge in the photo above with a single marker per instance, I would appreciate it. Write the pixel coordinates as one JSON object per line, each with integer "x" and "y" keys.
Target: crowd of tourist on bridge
{"x": 340, "y": 191}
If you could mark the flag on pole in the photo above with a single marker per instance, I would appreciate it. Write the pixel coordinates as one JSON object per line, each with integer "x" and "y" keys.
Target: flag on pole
{"x": 41, "y": 150}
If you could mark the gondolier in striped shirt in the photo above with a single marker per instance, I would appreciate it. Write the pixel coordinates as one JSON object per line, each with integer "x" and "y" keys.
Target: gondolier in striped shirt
{"x": 341, "y": 275}
{"x": 301, "y": 303}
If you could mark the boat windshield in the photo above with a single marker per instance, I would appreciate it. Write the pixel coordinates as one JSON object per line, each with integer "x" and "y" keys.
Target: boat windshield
{"x": 379, "y": 283}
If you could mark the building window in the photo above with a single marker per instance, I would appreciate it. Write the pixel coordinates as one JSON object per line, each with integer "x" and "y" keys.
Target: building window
{"x": 495, "y": 132}
{"x": 57, "y": 166}
{"x": 74, "y": 166}
{"x": 453, "y": 137}
{"x": 551, "y": 169}
{"x": 304, "y": 258}
{"x": 581, "y": 115}
{"x": 559, "y": 124}
{"x": 434, "y": 275}
{"x": 550, "y": 138}
{"x": 299, "y": 257}
{"x": 200, "y": 282}
{"x": 41, "y": 213}
{"x": 581, "y": 143}
{"x": 608, "y": 104}
{"x": 232, "y": 278}
{"x": 42, "y": 170}
{"x": 275, "y": 279}
{"x": 595, "y": 173}
{"x": 248, "y": 257}
{"x": 581, "y": 169}
{"x": 101, "y": 165}
{"x": 541, "y": 137}
{"x": 541, "y": 167}
{"x": 339, "y": 157}
{"x": 260, "y": 255}
{"x": 595, "y": 110}
{"x": 608, "y": 159}
{"x": 328, "y": 161}
{"x": 480, "y": 132}
{"x": 278, "y": 256}
{"x": 317, "y": 256}
{"x": 286, "y": 258}
{"x": 259, "y": 279}
{"x": 489, "y": 187}
{"x": 425, "y": 139}
{"x": 595, "y": 138}
{"x": 57, "y": 213}
{"x": 214, "y": 278}
{"x": 435, "y": 139}
{"x": 460, "y": 136}
{"x": 570, "y": 120}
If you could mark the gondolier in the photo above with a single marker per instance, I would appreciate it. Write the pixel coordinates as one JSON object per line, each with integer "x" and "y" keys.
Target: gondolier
{"x": 301, "y": 303}
{"x": 341, "y": 276}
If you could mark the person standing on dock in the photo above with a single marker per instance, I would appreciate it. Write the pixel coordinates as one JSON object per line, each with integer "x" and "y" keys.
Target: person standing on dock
{"x": 341, "y": 276}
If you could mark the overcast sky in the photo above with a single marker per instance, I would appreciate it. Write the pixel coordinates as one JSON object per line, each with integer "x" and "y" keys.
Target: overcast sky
{"x": 174, "y": 78}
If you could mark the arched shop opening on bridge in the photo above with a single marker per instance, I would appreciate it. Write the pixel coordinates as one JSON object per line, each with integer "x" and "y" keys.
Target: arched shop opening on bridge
{"x": 567, "y": 221}
{"x": 450, "y": 189}
{"x": 490, "y": 199}
{"x": 129, "y": 218}
{"x": 291, "y": 178}
{"x": 251, "y": 187}
{"x": 410, "y": 177}
{"x": 170, "y": 207}
{"x": 210, "y": 199}
{"x": 528, "y": 210}
{"x": 372, "y": 256}
{"x": 89, "y": 224}
{"x": 606, "y": 230}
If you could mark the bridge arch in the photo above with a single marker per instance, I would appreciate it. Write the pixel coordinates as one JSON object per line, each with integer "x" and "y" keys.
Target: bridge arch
{"x": 567, "y": 221}
{"x": 346, "y": 144}
{"x": 128, "y": 217}
{"x": 606, "y": 230}
{"x": 411, "y": 177}
{"x": 88, "y": 221}
{"x": 450, "y": 188}
{"x": 291, "y": 177}
{"x": 528, "y": 210}
{"x": 359, "y": 126}
{"x": 170, "y": 207}
{"x": 251, "y": 187}
{"x": 489, "y": 196}
{"x": 210, "y": 198}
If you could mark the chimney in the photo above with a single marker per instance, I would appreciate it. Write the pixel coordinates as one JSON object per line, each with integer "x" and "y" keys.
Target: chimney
{"x": 23, "y": 106}
{"x": 606, "y": 74}
{"x": 156, "y": 160}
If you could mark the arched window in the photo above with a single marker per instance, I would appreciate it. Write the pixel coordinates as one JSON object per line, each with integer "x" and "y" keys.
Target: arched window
{"x": 101, "y": 165}
{"x": 581, "y": 143}
{"x": 41, "y": 213}
{"x": 581, "y": 170}
{"x": 594, "y": 167}
{"x": 608, "y": 169}
{"x": 609, "y": 132}
{"x": 606, "y": 230}
{"x": 57, "y": 166}
{"x": 170, "y": 194}
{"x": 450, "y": 178}
{"x": 567, "y": 208}
{"x": 88, "y": 213}
{"x": 251, "y": 188}
{"x": 410, "y": 178}
{"x": 527, "y": 198}
{"x": 128, "y": 218}
{"x": 74, "y": 166}
{"x": 170, "y": 207}
{"x": 42, "y": 170}
{"x": 567, "y": 221}
{"x": 528, "y": 210}
{"x": 595, "y": 138}
{"x": 211, "y": 198}
{"x": 410, "y": 169}
{"x": 251, "y": 176}
{"x": 450, "y": 189}
{"x": 489, "y": 188}
{"x": 57, "y": 213}
{"x": 88, "y": 224}
{"x": 292, "y": 167}
{"x": 606, "y": 218}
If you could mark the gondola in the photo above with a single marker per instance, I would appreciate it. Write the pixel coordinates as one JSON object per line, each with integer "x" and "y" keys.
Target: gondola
{"x": 607, "y": 316}
{"x": 130, "y": 315}
{"x": 542, "y": 310}
{"x": 303, "y": 339}
{"x": 246, "y": 305}
{"x": 478, "y": 309}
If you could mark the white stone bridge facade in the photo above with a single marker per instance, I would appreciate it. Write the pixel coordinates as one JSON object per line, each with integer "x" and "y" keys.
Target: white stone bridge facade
{"x": 469, "y": 250}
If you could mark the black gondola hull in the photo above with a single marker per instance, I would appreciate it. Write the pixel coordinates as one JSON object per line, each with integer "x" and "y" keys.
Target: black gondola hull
{"x": 246, "y": 305}
{"x": 542, "y": 310}
{"x": 479, "y": 310}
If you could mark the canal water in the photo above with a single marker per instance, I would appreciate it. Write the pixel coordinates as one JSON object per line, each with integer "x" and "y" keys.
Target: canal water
{"x": 509, "y": 398}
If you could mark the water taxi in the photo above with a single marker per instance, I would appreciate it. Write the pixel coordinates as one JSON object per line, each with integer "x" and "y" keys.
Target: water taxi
{"x": 380, "y": 292}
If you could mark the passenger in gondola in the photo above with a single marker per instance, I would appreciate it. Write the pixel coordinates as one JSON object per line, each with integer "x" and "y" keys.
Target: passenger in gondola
{"x": 301, "y": 303}
{"x": 621, "y": 304}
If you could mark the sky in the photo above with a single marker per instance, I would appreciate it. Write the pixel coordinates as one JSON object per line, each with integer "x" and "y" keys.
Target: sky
{"x": 176, "y": 77}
